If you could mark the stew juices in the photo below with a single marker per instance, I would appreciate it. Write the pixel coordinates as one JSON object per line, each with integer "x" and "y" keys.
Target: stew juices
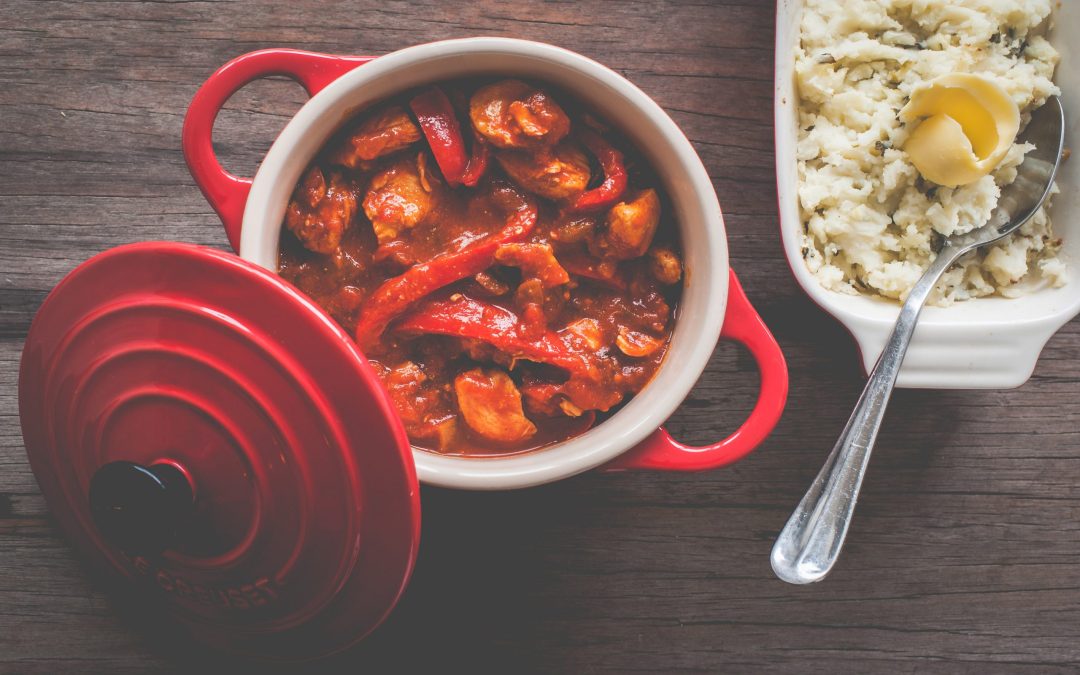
{"x": 505, "y": 260}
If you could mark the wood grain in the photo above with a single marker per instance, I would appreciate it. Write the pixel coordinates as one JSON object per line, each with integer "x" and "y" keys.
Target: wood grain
{"x": 964, "y": 554}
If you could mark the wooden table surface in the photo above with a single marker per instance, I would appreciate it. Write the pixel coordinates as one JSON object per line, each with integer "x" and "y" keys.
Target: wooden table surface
{"x": 964, "y": 555}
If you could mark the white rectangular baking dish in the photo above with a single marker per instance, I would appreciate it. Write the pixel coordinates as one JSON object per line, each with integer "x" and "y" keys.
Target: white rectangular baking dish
{"x": 984, "y": 343}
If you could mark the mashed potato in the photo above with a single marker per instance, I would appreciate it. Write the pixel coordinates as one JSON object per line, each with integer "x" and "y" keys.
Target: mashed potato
{"x": 870, "y": 219}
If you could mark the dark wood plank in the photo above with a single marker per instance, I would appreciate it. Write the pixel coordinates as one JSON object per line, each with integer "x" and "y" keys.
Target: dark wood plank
{"x": 963, "y": 557}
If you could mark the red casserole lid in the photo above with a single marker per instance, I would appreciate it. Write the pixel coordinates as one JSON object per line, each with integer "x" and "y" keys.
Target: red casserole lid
{"x": 204, "y": 431}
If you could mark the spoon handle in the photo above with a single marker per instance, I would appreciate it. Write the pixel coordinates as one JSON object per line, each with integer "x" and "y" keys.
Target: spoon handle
{"x": 810, "y": 542}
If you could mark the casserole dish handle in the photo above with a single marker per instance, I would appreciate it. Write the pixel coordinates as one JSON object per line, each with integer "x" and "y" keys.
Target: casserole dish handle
{"x": 224, "y": 191}
{"x": 742, "y": 324}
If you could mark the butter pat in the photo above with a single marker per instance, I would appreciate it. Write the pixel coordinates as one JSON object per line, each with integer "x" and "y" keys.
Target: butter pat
{"x": 966, "y": 125}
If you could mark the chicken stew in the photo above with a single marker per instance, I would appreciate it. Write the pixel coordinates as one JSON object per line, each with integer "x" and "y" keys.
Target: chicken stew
{"x": 507, "y": 261}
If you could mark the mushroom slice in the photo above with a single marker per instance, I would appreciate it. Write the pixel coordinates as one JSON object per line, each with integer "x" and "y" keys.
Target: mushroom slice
{"x": 635, "y": 343}
{"x": 570, "y": 409}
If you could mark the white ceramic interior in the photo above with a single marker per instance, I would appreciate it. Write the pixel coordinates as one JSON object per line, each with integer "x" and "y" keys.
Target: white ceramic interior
{"x": 697, "y": 211}
{"x": 984, "y": 343}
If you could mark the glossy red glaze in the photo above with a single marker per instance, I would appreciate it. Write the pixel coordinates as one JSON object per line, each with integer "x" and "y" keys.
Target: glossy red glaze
{"x": 228, "y": 195}
{"x": 742, "y": 324}
{"x": 307, "y": 513}
{"x": 225, "y": 192}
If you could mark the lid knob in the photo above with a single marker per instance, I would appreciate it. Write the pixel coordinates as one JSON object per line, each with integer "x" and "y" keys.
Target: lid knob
{"x": 139, "y": 508}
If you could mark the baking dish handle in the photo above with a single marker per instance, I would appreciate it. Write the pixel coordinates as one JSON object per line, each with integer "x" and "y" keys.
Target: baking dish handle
{"x": 742, "y": 324}
{"x": 225, "y": 192}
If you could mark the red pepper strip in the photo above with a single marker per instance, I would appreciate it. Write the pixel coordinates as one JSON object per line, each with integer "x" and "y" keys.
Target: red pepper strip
{"x": 588, "y": 268}
{"x": 611, "y": 190}
{"x": 395, "y": 295}
{"x": 497, "y": 326}
{"x": 440, "y": 125}
{"x": 477, "y": 162}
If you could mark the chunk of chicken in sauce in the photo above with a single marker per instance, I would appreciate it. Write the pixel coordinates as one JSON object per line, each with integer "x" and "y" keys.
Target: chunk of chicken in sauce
{"x": 558, "y": 173}
{"x": 665, "y": 266}
{"x": 536, "y": 261}
{"x": 513, "y": 114}
{"x": 321, "y": 211}
{"x": 384, "y": 133}
{"x": 400, "y": 197}
{"x": 490, "y": 404}
{"x": 540, "y": 273}
{"x": 629, "y": 227}
{"x": 420, "y": 402}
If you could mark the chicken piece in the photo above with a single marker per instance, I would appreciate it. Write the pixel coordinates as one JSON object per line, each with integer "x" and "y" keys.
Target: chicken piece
{"x": 490, "y": 403}
{"x": 513, "y": 114}
{"x": 383, "y": 133}
{"x": 635, "y": 343}
{"x": 536, "y": 261}
{"x": 630, "y": 227}
{"x": 557, "y": 173}
{"x": 424, "y": 406}
{"x": 405, "y": 384}
{"x": 665, "y": 266}
{"x": 586, "y": 333}
{"x": 321, "y": 212}
{"x": 399, "y": 198}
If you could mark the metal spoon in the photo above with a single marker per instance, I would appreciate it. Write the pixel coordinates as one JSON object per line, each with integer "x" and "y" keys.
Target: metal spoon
{"x": 810, "y": 542}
